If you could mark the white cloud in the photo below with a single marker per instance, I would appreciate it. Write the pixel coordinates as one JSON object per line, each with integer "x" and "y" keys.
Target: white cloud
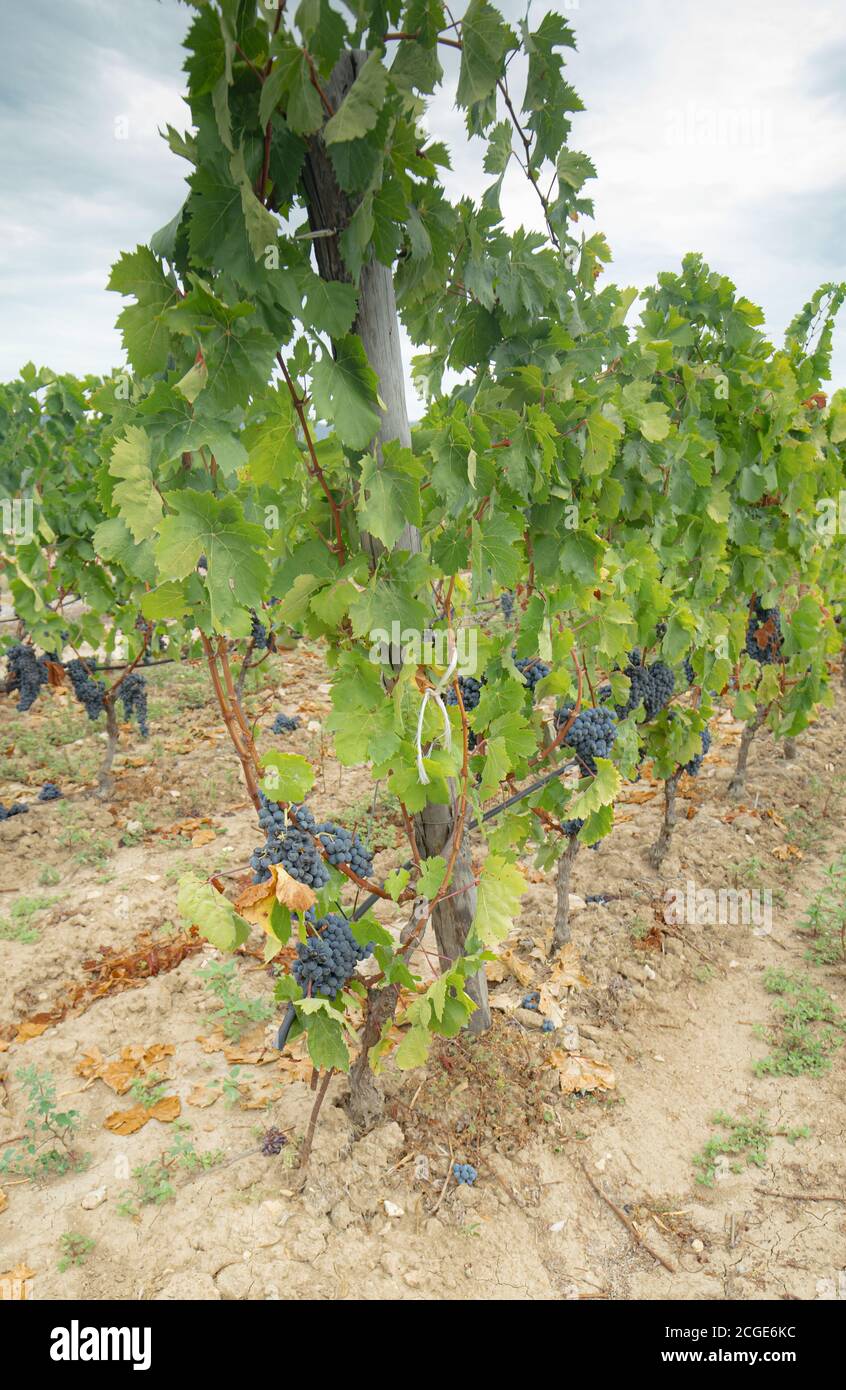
{"x": 717, "y": 128}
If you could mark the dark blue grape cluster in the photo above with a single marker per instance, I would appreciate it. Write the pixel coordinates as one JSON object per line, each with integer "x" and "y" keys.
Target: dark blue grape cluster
{"x": 689, "y": 673}
{"x": 258, "y": 631}
{"x": 506, "y": 604}
{"x": 652, "y": 685}
{"x": 285, "y": 724}
{"x": 133, "y": 696}
{"x": 273, "y": 1142}
{"x": 571, "y": 829}
{"x": 328, "y": 960}
{"x": 49, "y": 792}
{"x": 471, "y": 692}
{"x": 547, "y": 1026}
{"x": 533, "y": 670}
{"x": 28, "y": 673}
{"x": 6, "y": 812}
{"x": 660, "y": 631}
{"x": 530, "y": 1001}
{"x": 763, "y": 634}
{"x": 345, "y": 847}
{"x": 465, "y": 1173}
{"x": 288, "y": 845}
{"x": 696, "y": 761}
{"x": 88, "y": 692}
{"x": 591, "y": 735}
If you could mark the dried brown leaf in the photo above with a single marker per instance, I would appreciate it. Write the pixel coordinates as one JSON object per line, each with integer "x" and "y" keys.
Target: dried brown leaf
{"x": 579, "y": 1073}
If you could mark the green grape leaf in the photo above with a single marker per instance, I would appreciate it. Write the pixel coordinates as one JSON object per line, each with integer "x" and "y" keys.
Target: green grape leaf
{"x": 112, "y": 541}
{"x": 330, "y": 305}
{"x": 432, "y": 874}
{"x": 168, "y": 600}
{"x": 494, "y": 547}
{"x": 273, "y": 443}
{"x": 359, "y": 110}
{"x": 201, "y": 906}
{"x": 413, "y": 1051}
{"x": 136, "y": 496}
{"x": 289, "y": 777}
{"x": 601, "y": 791}
{"x": 397, "y": 882}
{"x": 146, "y": 335}
{"x": 325, "y": 1036}
{"x": 601, "y": 438}
{"x": 345, "y": 392}
{"x": 215, "y": 527}
{"x": 389, "y": 495}
{"x": 501, "y": 887}
{"x": 485, "y": 41}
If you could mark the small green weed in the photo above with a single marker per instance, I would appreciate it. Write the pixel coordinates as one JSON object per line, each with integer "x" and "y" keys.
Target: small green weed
{"x": 825, "y": 917}
{"x": 47, "y": 1149}
{"x": 75, "y": 1250}
{"x": 746, "y": 1139}
{"x": 236, "y": 1013}
{"x": 808, "y": 1029}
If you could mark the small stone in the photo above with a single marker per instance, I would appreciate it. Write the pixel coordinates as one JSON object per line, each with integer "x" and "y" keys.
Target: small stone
{"x": 391, "y": 1209}
{"x": 529, "y": 1018}
{"x": 421, "y": 1168}
{"x": 94, "y": 1199}
{"x": 698, "y": 1246}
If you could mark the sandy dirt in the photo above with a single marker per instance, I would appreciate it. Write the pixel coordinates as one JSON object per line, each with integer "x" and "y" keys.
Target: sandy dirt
{"x": 670, "y": 1021}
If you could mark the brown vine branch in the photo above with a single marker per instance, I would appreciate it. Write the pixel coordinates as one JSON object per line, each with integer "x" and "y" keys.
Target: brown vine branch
{"x": 314, "y": 468}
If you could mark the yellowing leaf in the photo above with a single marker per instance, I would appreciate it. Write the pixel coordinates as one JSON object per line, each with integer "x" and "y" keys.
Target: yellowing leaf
{"x": 566, "y": 972}
{"x": 578, "y": 1073}
{"x": 125, "y": 1122}
{"x": 203, "y": 1096}
{"x": 33, "y": 1028}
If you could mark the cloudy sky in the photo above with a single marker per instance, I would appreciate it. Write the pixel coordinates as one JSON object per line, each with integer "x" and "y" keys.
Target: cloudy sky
{"x": 714, "y": 127}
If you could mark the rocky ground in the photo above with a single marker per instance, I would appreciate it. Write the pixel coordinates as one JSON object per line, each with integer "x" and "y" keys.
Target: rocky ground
{"x": 584, "y": 1138}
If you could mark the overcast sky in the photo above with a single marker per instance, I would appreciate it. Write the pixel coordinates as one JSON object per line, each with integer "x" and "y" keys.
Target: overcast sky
{"x": 716, "y": 127}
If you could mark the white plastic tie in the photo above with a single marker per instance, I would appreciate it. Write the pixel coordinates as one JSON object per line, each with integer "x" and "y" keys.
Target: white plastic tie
{"x": 435, "y": 693}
